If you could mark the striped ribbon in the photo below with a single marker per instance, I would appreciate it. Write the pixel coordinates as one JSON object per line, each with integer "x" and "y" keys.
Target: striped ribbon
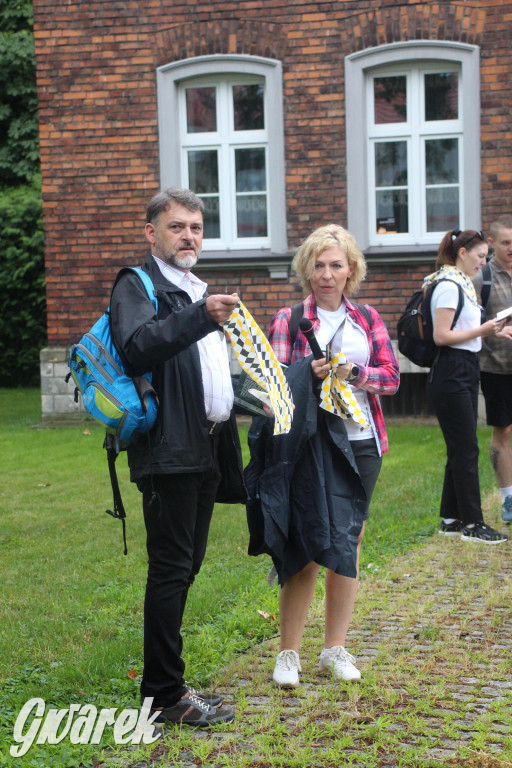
{"x": 258, "y": 360}
{"x": 337, "y": 396}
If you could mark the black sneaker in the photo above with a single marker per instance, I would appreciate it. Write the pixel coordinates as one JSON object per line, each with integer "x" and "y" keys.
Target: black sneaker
{"x": 483, "y": 533}
{"x": 195, "y": 712}
{"x": 212, "y": 699}
{"x": 451, "y": 529}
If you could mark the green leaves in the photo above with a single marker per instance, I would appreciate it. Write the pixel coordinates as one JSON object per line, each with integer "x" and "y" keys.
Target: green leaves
{"x": 22, "y": 286}
{"x": 19, "y": 141}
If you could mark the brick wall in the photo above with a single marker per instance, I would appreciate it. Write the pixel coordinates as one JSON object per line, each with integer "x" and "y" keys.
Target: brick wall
{"x": 96, "y": 67}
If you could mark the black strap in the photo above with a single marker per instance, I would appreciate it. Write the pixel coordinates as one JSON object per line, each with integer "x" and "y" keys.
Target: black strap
{"x": 112, "y": 448}
{"x": 295, "y": 318}
{"x": 298, "y": 312}
{"x": 485, "y": 293}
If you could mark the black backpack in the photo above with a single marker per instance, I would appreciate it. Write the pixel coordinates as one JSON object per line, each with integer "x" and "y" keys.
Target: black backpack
{"x": 415, "y": 330}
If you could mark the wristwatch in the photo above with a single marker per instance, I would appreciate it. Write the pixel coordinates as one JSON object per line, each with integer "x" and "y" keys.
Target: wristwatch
{"x": 354, "y": 371}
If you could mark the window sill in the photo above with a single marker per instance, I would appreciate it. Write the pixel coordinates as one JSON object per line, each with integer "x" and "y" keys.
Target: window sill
{"x": 278, "y": 264}
{"x": 400, "y": 254}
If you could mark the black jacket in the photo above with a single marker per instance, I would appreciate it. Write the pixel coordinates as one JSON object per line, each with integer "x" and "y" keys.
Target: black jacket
{"x": 295, "y": 496}
{"x": 165, "y": 344}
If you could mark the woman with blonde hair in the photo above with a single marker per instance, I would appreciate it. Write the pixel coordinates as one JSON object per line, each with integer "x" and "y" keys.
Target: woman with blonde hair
{"x": 314, "y": 485}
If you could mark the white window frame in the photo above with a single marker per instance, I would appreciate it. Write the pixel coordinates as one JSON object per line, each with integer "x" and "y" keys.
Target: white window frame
{"x": 174, "y": 142}
{"x": 430, "y": 56}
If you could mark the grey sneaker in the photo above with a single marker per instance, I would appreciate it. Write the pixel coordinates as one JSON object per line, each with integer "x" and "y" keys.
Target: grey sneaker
{"x": 339, "y": 662}
{"x": 195, "y": 712}
{"x": 506, "y": 510}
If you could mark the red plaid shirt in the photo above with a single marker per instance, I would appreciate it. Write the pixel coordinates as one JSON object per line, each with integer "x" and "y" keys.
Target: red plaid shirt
{"x": 380, "y": 377}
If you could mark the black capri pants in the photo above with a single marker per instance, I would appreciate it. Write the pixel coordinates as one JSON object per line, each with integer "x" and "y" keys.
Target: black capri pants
{"x": 453, "y": 393}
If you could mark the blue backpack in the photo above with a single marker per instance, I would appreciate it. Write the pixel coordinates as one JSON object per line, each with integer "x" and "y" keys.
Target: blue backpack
{"x": 125, "y": 405}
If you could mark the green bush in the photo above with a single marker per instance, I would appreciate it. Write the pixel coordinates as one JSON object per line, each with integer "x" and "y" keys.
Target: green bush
{"x": 22, "y": 286}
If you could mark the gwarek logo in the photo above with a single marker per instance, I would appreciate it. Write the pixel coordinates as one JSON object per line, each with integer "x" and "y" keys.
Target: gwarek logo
{"x": 83, "y": 724}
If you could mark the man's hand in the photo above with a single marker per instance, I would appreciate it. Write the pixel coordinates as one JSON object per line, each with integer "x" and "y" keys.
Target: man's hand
{"x": 220, "y": 306}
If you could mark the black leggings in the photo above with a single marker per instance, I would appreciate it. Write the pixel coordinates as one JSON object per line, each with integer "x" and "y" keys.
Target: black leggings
{"x": 453, "y": 392}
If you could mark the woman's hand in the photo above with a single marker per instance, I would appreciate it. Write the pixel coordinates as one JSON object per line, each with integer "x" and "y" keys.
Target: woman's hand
{"x": 342, "y": 371}
{"x": 320, "y": 368}
{"x": 492, "y": 327}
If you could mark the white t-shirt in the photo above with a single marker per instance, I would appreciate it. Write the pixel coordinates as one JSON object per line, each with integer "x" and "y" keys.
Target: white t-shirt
{"x": 446, "y": 296}
{"x": 347, "y": 337}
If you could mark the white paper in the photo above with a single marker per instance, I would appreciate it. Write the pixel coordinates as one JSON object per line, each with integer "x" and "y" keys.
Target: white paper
{"x": 504, "y": 313}
{"x": 260, "y": 395}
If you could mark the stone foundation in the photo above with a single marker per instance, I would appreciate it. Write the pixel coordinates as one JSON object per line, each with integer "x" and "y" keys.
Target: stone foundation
{"x": 57, "y": 395}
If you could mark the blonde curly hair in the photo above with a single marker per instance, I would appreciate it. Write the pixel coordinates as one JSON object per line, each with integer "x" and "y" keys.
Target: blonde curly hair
{"x": 323, "y": 238}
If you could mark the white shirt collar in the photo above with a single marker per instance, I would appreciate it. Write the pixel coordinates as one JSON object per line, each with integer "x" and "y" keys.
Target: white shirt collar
{"x": 178, "y": 277}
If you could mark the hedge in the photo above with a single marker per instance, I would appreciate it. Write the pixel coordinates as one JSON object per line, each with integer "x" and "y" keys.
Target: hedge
{"x": 22, "y": 286}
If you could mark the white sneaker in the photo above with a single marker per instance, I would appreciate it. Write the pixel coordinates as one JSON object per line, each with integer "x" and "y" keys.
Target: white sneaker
{"x": 286, "y": 671}
{"x": 339, "y": 662}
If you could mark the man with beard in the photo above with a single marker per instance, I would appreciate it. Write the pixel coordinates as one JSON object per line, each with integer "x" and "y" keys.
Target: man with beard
{"x": 176, "y": 466}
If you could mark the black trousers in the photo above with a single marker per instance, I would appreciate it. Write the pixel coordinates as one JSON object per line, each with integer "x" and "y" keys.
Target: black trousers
{"x": 176, "y": 536}
{"x": 453, "y": 392}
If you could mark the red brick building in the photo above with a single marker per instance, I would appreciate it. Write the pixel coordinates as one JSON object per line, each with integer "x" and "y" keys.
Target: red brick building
{"x": 391, "y": 118}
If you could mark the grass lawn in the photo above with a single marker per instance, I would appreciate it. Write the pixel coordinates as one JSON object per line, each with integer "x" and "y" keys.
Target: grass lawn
{"x": 71, "y": 607}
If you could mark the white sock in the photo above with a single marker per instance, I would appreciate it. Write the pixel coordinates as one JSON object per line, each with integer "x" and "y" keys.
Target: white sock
{"x": 505, "y": 492}
{"x": 449, "y": 520}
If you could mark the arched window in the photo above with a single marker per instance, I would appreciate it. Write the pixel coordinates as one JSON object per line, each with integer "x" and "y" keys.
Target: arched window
{"x": 413, "y": 128}
{"x": 221, "y": 135}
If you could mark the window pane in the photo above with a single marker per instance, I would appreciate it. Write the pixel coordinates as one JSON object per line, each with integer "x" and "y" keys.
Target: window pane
{"x": 251, "y": 216}
{"x": 442, "y": 96}
{"x": 391, "y": 163}
{"x": 201, "y": 110}
{"x": 392, "y": 213}
{"x": 203, "y": 179}
{"x": 203, "y": 173}
{"x": 442, "y": 209}
{"x": 442, "y": 161}
{"x": 250, "y": 170}
{"x": 248, "y": 107}
{"x": 390, "y": 99}
{"x": 211, "y": 217}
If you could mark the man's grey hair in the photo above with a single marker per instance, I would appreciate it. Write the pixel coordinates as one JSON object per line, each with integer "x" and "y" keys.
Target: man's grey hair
{"x": 161, "y": 201}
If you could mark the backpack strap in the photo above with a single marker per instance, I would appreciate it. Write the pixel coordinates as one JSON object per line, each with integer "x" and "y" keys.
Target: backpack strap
{"x": 460, "y": 302}
{"x": 111, "y": 446}
{"x": 487, "y": 277}
{"x": 295, "y": 318}
{"x": 365, "y": 311}
{"x": 144, "y": 278}
{"x": 298, "y": 312}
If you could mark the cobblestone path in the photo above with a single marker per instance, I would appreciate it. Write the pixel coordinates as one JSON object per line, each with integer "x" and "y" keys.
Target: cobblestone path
{"x": 433, "y": 639}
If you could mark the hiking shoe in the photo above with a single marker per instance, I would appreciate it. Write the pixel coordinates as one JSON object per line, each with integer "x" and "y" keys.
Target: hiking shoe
{"x": 451, "y": 529}
{"x": 192, "y": 710}
{"x": 286, "y": 671}
{"x": 340, "y": 662}
{"x": 483, "y": 533}
{"x": 506, "y": 510}
{"x": 212, "y": 699}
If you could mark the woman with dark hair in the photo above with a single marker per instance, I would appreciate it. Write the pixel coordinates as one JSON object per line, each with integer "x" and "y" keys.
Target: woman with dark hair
{"x": 454, "y": 379}
{"x": 313, "y": 486}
